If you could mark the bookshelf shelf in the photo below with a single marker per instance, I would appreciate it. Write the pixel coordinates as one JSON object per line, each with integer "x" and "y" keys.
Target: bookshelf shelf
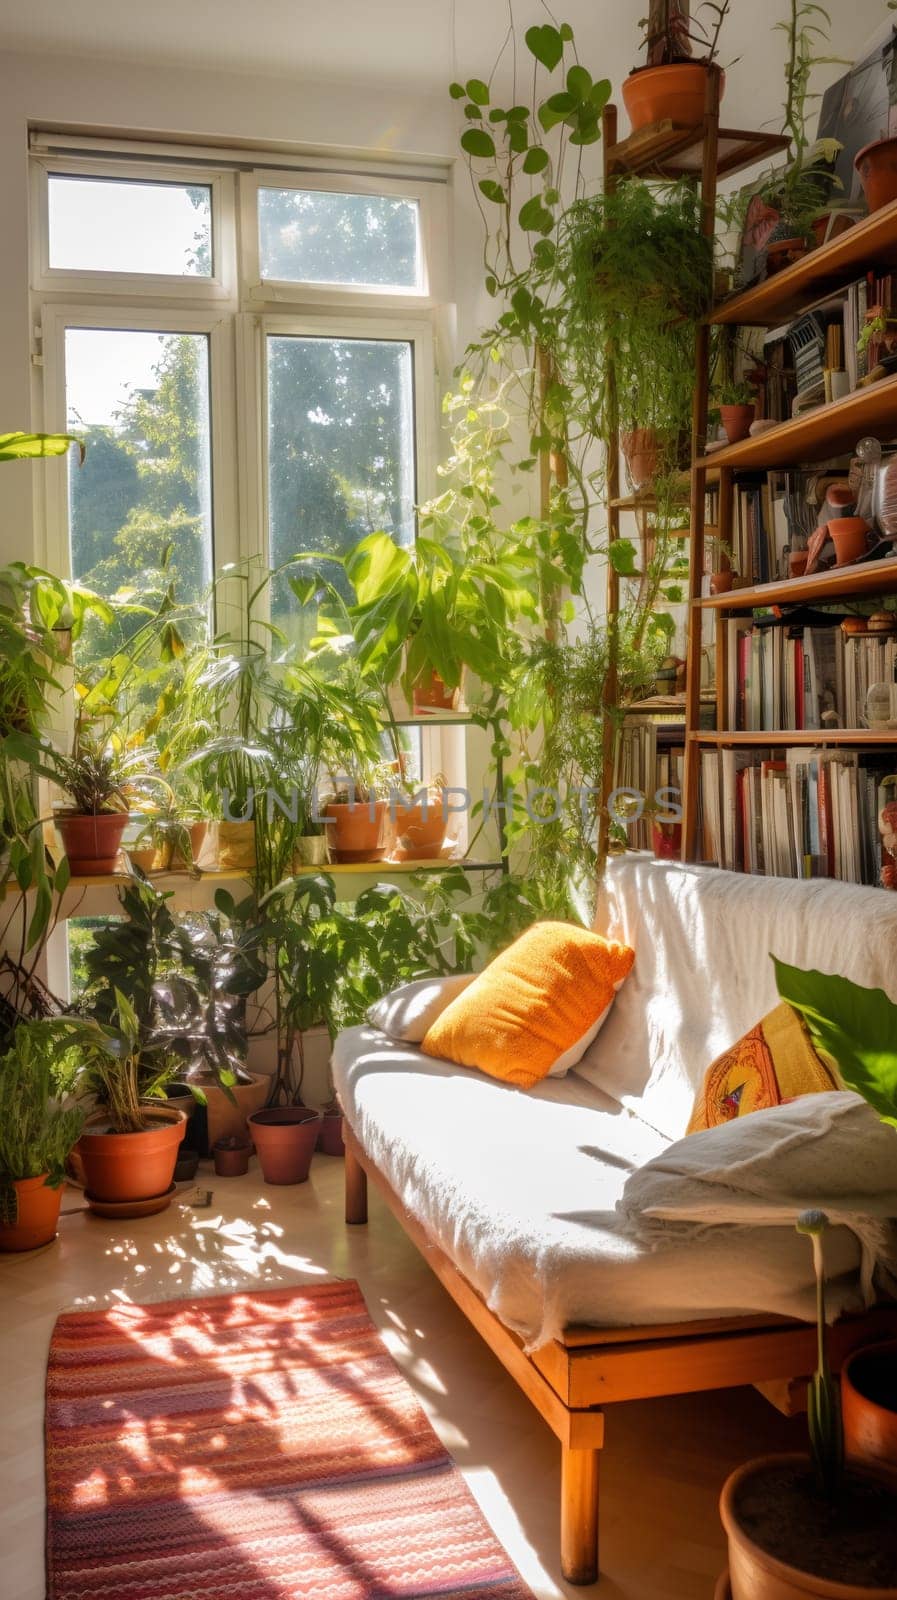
{"x": 849, "y": 583}
{"x": 813, "y": 737}
{"x": 828, "y": 430}
{"x": 867, "y": 246}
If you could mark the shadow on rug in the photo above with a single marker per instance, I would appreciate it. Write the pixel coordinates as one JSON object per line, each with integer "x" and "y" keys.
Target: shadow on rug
{"x": 261, "y": 1446}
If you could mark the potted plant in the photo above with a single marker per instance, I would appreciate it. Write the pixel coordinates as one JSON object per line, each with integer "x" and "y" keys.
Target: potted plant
{"x": 737, "y": 409}
{"x": 856, "y": 1028}
{"x": 285, "y": 1138}
{"x": 357, "y": 813}
{"x": 37, "y": 1132}
{"x": 672, "y": 86}
{"x": 420, "y": 820}
{"x": 231, "y": 1156}
{"x": 799, "y": 1527}
{"x": 100, "y": 777}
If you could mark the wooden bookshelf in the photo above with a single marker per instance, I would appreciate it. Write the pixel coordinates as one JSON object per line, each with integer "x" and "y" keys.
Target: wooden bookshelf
{"x": 870, "y": 245}
{"x": 667, "y": 150}
{"x": 823, "y": 434}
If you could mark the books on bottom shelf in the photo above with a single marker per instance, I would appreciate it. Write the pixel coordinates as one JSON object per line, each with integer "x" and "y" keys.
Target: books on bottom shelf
{"x": 794, "y": 677}
{"x": 798, "y": 813}
{"x": 651, "y": 759}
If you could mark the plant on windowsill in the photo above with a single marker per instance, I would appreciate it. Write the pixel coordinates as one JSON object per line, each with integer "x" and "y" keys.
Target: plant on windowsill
{"x": 799, "y": 1526}
{"x": 37, "y": 1132}
{"x": 671, "y": 86}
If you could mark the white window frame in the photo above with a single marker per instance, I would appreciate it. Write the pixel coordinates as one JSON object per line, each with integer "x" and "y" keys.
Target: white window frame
{"x": 431, "y": 200}
{"x": 56, "y": 318}
{"x": 135, "y": 286}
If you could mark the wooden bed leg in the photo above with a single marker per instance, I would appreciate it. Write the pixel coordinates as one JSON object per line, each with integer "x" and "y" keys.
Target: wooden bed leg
{"x": 356, "y": 1189}
{"x": 579, "y": 1514}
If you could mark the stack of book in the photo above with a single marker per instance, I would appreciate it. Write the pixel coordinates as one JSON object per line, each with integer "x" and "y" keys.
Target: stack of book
{"x": 799, "y": 813}
{"x": 782, "y": 676}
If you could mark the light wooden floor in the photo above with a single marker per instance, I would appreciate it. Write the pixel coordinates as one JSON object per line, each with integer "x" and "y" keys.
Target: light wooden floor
{"x": 662, "y": 1469}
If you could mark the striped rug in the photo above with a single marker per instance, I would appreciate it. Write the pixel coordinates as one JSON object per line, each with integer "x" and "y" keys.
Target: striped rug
{"x": 251, "y": 1447}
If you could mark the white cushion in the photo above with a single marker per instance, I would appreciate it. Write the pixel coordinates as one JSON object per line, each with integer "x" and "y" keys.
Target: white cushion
{"x": 408, "y": 1012}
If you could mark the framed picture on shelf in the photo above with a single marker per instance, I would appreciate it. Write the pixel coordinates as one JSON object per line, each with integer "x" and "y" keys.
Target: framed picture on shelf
{"x": 860, "y": 108}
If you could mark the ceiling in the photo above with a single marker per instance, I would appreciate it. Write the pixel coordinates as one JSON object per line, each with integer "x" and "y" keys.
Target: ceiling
{"x": 414, "y": 44}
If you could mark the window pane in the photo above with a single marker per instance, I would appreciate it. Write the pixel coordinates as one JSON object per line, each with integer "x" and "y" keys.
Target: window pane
{"x": 340, "y": 446}
{"x": 141, "y": 403}
{"x": 102, "y": 225}
{"x": 307, "y": 236}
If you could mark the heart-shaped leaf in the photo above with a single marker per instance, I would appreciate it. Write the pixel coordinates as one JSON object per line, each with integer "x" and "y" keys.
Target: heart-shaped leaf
{"x": 477, "y": 142}
{"x": 579, "y": 82}
{"x": 492, "y": 190}
{"x": 478, "y": 92}
{"x": 546, "y": 44}
{"x": 536, "y": 159}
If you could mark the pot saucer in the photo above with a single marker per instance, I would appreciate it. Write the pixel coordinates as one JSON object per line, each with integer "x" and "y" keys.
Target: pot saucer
{"x": 130, "y": 1208}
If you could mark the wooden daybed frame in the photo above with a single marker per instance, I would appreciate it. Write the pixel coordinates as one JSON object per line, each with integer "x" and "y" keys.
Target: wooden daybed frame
{"x": 570, "y": 1380}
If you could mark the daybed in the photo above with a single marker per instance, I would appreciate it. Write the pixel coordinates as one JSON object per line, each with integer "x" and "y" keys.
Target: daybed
{"x": 520, "y": 1200}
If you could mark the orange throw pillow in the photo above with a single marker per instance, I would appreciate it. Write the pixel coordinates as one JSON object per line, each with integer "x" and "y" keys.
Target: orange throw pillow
{"x": 775, "y": 1062}
{"x": 535, "y": 1008}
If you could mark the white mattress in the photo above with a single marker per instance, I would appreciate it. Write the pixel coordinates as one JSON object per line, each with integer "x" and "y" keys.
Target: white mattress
{"x": 520, "y": 1189}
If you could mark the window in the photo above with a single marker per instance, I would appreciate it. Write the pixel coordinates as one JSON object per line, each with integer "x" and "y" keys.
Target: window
{"x": 312, "y": 236}
{"x": 109, "y": 225}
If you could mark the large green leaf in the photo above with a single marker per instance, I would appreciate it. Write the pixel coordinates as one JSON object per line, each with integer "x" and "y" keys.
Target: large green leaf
{"x": 856, "y": 1027}
{"x": 546, "y": 44}
{"x": 477, "y": 142}
{"x": 377, "y": 566}
{"x": 27, "y": 446}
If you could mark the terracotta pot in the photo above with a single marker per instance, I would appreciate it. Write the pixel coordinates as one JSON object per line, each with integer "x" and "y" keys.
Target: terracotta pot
{"x": 674, "y": 93}
{"x": 38, "y": 1216}
{"x": 419, "y": 837}
{"x": 131, "y": 1166}
{"x": 736, "y": 421}
{"x": 231, "y": 1158}
{"x": 236, "y": 846}
{"x": 869, "y": 1406}
{"x": 92, "y": 843}
{"x": 225, "y": 1115}
{"x": 358, "y": 832}
{"x": 285, "y": 1139}
{"x": 432, "y": 694}
{"x": 310, "y": 850}
{"x": 849, "y": 536}
{"x": 756, "y": 1575}
{"x": 330, "y": 1134}
{"x": 170, "y": 858}
{"x": 721, "y": 582}
{"x": 797, "y": 563}
{"x": 877, "y": 166}
{"x": 640, "y": 451}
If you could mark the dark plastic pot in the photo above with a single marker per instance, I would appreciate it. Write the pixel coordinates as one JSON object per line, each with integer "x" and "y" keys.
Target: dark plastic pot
{"x": 231, "y": 1158}
{"x": 285, "y": 1139}
{"x": 186, "y": 1165}
{"x": 330, "y": 1134}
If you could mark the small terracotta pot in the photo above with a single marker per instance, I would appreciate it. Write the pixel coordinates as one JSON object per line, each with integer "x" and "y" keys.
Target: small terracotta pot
{"x": 641, "y": 453}
{"x": 736, "y": 421}
{"x": 756, "y": 1575}
{"x": 420, "y": 837}
{"x": 330, "y": 1134}
{"x": 131, "y": 1166}
{"x": 310, "y": 850}
{"x": 849, "y": 536}
{"x": 92, "y": 843}
{"x": 285, "y": 1139}
{"x": 674, "y": 93}
{"x": 231, "y": 1157}
{"x": 869, "y": 1406}
{"x": 236, "y": 846}
{"x": 721, "y": 582}
{"x": 797, "y": 563}
{"x": 358, "y": 831}
{"x": 38, "y": 1216}
{"x": 431, "y": 693}
{"x": 877, "y": 166}
{"x": 225, "y": 1113}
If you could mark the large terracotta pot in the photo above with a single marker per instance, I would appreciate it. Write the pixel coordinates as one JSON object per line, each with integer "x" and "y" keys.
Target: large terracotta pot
{"x": 431, "y": 693}
{"x": 38, "y": 1215}
{"x": 420, "y": 837}
{"x": 756, "y": 1575}
{"x": 358, "y": 832}
{"x": 285, "y": 1139}
{"x": 640, "y": 449}
{"x": 850, "y": 537}
{"x": 131, "y": 1166}
{"x": 92, "y": 843}
{"x": 877, "y": 166}
{"x": 869, "y": 1406}
{"x": 674, "y": 93}
{"x": 225, "y": 1115}
{"x": 236, "y": 846}
{"x": 736, "y": 421}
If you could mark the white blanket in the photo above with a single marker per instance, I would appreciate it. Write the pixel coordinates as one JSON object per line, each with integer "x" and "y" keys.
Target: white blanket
{"x": 522, "y": 1191}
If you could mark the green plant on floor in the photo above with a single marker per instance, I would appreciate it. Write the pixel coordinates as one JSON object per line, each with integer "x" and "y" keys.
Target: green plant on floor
{"x": 169, "y": 999}
{"x": 37, "y": 1132}
{"x": 823, "y": 1402}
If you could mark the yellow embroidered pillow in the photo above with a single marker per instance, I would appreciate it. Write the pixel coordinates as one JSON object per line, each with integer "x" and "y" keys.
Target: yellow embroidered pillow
{"x": 535, "y": 1008}
{"x": 775, "y": 1062}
